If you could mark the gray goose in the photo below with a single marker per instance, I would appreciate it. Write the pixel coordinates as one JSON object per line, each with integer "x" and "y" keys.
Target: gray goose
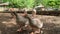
{"x": 22, "y": 20}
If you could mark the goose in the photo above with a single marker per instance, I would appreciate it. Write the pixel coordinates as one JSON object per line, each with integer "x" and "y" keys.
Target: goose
{"x": 22, "y": 20}
{"x": 35, "y": 22}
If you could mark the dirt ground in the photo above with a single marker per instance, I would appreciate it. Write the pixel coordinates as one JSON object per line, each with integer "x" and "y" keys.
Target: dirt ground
{"x": 9, "y": 25}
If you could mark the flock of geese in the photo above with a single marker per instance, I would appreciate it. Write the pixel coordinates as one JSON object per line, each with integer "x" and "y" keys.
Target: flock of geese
{"x": 25, "y": 20}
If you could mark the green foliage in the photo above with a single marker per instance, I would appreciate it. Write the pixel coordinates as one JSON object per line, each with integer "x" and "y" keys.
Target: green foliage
{"x": 33, "y": 3}
{"x": 23, "y": 3}
{"x": 29, "y": 3}
{"x": 37, "y": 2}
{"x": 17, "y": 3}
{"x": 51, "y": 3}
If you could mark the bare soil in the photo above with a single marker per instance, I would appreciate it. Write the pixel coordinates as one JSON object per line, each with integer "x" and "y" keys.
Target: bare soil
{"x": 8, "y": 25}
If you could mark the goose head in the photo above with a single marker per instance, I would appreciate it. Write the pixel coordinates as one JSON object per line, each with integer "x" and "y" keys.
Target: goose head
{"x": 33, "y": 12}
{"x": 25, "y": 12}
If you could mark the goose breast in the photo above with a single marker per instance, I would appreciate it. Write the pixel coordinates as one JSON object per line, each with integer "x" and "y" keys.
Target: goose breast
{"x": 36, "y": 22}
